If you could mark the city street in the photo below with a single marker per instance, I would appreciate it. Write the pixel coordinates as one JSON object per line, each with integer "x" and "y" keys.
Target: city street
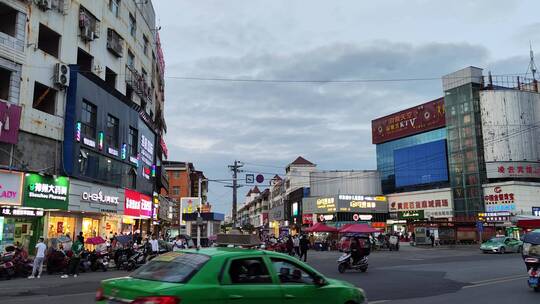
{"x": 412, "y": 275}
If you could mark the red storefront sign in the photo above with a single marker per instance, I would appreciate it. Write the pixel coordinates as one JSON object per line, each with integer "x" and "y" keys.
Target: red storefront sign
{"x": 307, "y": 219}
{"x": 164, "y": 147}
{"x": 132, "y": 206}
{"x": 419, "y": 205}
{"x": 414, "y": 120}
{"x": 146, "y": 206}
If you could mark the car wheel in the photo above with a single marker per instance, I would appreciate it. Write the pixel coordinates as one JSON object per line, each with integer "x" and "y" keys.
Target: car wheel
{"x": 342, "y": 267}
{"x": 502, "y": 250}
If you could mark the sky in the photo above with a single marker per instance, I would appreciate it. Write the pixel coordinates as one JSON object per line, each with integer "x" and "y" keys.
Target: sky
{"x": 268, "y": 124}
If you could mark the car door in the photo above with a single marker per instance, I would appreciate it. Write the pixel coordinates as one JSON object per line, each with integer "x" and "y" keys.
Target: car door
{"x": 298, "y": 284}
{"x": 247, "y": 280}
{"x": 515, "y": 245}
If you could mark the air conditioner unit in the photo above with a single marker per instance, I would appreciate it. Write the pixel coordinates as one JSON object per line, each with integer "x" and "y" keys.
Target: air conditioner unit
{"x": 61, "y": 75}
{"x": 87, "y": 34}
{"x": 44, "y": 4}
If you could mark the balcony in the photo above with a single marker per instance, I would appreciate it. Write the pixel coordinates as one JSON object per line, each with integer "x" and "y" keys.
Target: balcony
{"x": 88, "y": 25}
{"x": 115, "y": 43}
{"x": 138, "y": 83}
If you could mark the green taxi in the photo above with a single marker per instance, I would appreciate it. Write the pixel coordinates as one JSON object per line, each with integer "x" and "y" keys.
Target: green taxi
{"x": 502, "y": 244}
{"x": 227, "y": 275}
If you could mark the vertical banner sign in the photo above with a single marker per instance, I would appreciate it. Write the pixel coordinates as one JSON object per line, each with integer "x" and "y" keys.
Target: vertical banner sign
{"x": 132, "y": 205}
{"x": 146, "y": 206}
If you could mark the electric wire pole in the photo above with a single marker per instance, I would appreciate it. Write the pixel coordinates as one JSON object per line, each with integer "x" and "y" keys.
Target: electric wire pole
{"x": 235, "y": 169}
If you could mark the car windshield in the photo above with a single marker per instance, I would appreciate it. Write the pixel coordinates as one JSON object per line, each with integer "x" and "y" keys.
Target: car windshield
{"x": 496, "y": 240}
{"x": 174, "y": 267}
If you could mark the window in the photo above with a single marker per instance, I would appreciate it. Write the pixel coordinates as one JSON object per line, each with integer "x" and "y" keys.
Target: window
{"x": 145, "y": 45}
{"x": 44, "y": 98}
{"x": 115, "y": 43}
{"x": 88, "y": 120}
{"x": 110, "y": 77}
{"x": 249, "y": 271}
{"x": 113, "y": 126}
{"x": 176, "y": 174}
{"x": 132, "y": 179}
{"x": 8, "y": 20}
{"x": 48, "y": 41}
{"x": 177, "y": 270}
{"x": 84, "y": 61}
{"x": 290, "y": 273}
{"x": 133, "y": 141}
{"x": 131, "y": 59}
{"x": 132, "y": 25}
{"x": 175, "y": 190}
{"x": 114, "y": 7}
{"x": 5, "y": 76}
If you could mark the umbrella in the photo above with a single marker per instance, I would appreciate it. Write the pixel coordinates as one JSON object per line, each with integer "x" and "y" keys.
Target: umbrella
{"x": 95, "y": 240}
{"x": 320, "y": 227}
{"x": 532, "y": 237}
{"x": 124, "y": 239}
{"x": 358, "y": 228}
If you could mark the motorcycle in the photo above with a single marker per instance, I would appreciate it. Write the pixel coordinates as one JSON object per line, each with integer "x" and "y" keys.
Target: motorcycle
{"x": 531, "y": 257}
{"x": 85, "y": 263}
{"x": 345, "y": 262}
{"x": 57, "y": 262}
{"x": 136, "y": 260}
{"x": 99, "y": 260}
{"x": 121, "y": 257}
{"x": 7, "y": 267}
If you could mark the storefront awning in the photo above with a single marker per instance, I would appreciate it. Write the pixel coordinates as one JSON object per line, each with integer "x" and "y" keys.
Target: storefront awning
{"x": 529, "y": 224}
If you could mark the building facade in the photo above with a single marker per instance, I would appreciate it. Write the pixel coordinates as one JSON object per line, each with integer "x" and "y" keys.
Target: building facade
{"x": 82, "y": 82}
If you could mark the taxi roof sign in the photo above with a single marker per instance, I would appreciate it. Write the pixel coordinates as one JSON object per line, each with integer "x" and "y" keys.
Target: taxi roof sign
{"x": 244, "y": 240}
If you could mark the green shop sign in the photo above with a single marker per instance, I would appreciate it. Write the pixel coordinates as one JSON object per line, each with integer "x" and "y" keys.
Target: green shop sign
{"x": 411, "y": 215}
{"x": 46, "y": 192}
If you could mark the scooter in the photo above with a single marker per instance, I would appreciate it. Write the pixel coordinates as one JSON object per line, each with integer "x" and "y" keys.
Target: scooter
{"x": 57, "y": 262}
{"x": 345, "y": 262}
{"x": 85, "y": 263}
{"x": 533, "y": 269}
{"x": 7, "y": 268}
{"x": 136, "y": 260}
{"x": 99, "y": 260}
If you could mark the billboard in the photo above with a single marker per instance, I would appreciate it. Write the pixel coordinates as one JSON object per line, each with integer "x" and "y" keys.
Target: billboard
{"x": 421, "y": 164}
{"x": 425, "y": 117}
{"x": 46, "y": 192}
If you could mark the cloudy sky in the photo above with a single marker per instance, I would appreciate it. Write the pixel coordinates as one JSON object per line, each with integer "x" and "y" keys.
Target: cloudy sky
{"x": 268, "y": 124}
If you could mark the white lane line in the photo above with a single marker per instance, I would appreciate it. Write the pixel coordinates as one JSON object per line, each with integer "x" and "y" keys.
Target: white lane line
{"x": 493, "y": 282}
{"x": 378, "y": 302}
{"x": 499, "y": 278}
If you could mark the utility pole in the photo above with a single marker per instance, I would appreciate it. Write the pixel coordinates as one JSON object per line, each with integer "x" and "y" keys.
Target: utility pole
{"x": 235, "y": 169}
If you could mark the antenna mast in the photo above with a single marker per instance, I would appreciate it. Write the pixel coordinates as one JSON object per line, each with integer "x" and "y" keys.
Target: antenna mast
{"x": 532, "y": 65}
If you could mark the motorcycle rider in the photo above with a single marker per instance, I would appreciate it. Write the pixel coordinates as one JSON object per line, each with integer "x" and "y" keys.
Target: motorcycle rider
{"x": 38, "y": 261}
{"x": 355, "y": 250}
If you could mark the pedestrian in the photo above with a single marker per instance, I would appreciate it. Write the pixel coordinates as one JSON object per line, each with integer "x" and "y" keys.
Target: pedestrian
{"x": 432, "y": 238}
{"x": 76, "y": 249}
{"x": 304, "y": 246}
{"x": 38, "y": 260}
{"x": 155, "y": 245}
{"x": 296, "y": 244}
{"x": 413, "y": 237}
{"x": 290, "y": 246}
{"x": 178, "y": 244}
{"x": 81, "y": 236}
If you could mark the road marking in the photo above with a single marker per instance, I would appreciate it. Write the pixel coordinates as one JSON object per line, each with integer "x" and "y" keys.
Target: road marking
{"x": 494, "y": 282}
{"x": 499, "y": 278}
{"x": 378, "y": 302}
{"x": 415, "y": 259}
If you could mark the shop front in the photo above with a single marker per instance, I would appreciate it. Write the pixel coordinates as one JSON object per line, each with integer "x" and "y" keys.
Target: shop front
{"x": 427, "y": 208}
{"x": 276, "y": 215}
{"x": 341, "y": 210}
{"x": 18, "y": 224}
{"x": 137, "y": 212}
{"x": 516, "y": 204}
{"x": 94, "y": 210}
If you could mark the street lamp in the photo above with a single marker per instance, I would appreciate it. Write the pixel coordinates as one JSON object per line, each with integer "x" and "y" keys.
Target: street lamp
{"x": 199, "y": 218}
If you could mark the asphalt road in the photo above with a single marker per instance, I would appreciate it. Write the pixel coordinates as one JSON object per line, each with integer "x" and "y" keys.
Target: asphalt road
{"x": 412, "y": 275}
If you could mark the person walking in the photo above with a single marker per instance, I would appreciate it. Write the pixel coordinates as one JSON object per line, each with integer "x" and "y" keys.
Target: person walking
{"x": 76, "y": 249}
{"x": 178, "y": 244}
{"x": 290, "y": 246}
{"x": 296, "y": 244}
{"x": 304, "y": 246}
{"x": 155, "y": 245}
{"x": 38, "y": 261}
{"x": 432, "y": 238}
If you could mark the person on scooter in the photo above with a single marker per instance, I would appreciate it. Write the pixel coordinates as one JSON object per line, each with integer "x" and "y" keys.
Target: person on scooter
{"x": 355, "y": 250}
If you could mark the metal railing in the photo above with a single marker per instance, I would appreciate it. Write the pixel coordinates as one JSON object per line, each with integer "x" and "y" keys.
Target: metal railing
{"x": 510, "y": 83}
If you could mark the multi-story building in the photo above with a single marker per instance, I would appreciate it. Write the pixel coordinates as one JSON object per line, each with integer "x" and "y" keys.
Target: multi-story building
{"x": 81, "y": 89}
{"x": 254, "y": 210}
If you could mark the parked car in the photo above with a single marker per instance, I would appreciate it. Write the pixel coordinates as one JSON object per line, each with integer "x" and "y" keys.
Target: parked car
{"x": 502, "y": 244}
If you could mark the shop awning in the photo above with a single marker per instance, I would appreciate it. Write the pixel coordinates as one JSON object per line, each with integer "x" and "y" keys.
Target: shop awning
{"x": 320, "y": 227}
{"x": 529, "y": 224}
{"x": 358, "y": 228}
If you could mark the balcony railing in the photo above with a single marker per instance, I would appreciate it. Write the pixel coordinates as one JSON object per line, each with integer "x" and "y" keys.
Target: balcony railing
{"x": 115, "y": 43}
{"x": 510, "y": 83}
